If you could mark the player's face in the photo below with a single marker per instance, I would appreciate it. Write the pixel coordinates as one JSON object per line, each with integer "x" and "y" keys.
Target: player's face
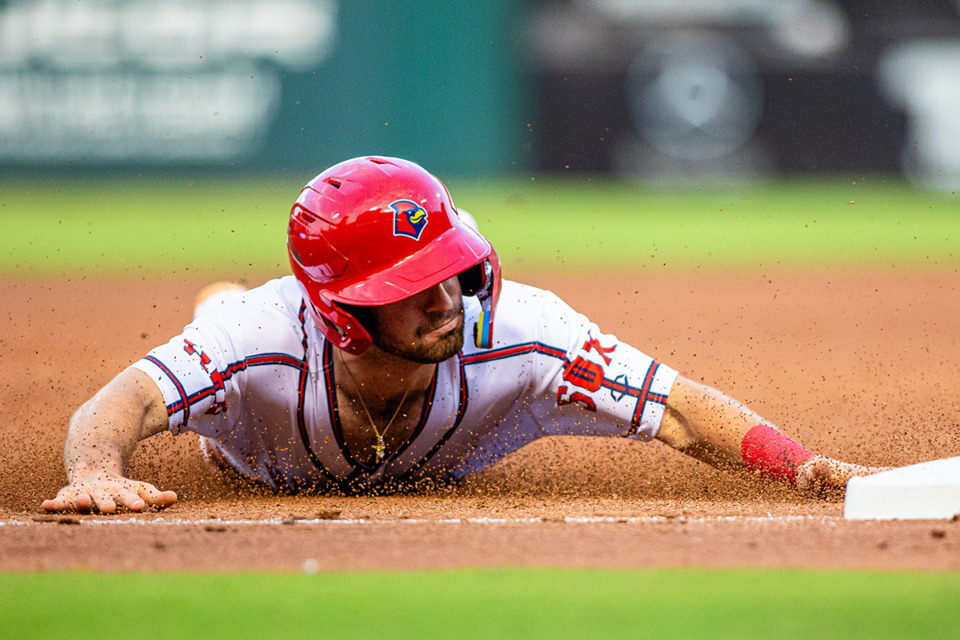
{"x": 426, "y": 328}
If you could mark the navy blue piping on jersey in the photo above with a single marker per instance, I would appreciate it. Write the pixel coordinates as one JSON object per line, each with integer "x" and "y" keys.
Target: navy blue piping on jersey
{"x": 643, "y": 394}
{"x": 329, "y": 385}
{"x": 337, "y": 425}
{"x": 185, "y": 402}
{"x": 646, "y": 395}
{"x": 461, "y": 411}
{"x": 516, "y": 350}
{"x": 424, "y": 414}
{"x": 301, "y": 419}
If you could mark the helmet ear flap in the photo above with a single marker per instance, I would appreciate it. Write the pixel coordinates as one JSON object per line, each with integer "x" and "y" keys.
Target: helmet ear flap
{"x": 339, "y": 326}
{"x": 472, "y": 280}
{"x": 363, "y": 315}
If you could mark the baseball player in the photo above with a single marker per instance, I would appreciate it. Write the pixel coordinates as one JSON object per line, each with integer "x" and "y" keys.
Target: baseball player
{"x": 395, "y": 356}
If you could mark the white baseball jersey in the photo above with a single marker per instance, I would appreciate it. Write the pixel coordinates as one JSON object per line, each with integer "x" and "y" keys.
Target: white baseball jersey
{"x": 254, "y": 375}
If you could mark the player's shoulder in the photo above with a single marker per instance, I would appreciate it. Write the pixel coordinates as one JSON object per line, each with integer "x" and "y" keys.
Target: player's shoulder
{"x": 280, "y": 295}
{"x": 271, "y": 308}
{"x": 524, "y": 300}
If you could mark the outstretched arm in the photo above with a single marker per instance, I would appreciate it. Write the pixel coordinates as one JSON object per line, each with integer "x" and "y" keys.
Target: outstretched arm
{"x": 714, "y": 428}
{"x": 102, "y": 435}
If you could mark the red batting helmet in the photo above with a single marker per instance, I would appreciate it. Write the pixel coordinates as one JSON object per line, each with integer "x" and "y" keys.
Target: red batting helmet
{"x": 375, "y": 230}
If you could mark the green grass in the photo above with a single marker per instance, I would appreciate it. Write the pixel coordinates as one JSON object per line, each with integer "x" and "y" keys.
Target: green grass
{"x": 787, "y": 223}
{"x": 145, "y": 227}
{"x": 142, "y": 226}
{"x": 532, "y": 603}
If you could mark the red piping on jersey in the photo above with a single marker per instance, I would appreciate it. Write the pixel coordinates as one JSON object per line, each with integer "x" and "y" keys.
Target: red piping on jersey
{"x": 516, "y": 350}
{"x": 646, "y": 396}
{"x": 184, "y": 402}
{"x": 424, "y": 414}
{"x": 643, "y": 394}
{"x": 301, "y": 420}
{"x": 337, "y": 426}
{"x": 461, "y": 411}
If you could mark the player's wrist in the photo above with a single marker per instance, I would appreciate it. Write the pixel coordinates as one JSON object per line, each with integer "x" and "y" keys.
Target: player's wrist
{"x": 86, "y": 472}
{"x": 772, "y": 455}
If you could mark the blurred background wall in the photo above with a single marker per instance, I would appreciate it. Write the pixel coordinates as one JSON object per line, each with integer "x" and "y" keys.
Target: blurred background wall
{"x": 750, "y": 87}
{"x": 645, "y": 88}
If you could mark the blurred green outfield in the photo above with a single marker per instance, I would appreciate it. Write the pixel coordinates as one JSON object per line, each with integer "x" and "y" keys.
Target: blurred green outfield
{"x": 235, "y": 226}
{"x": 675, "y": 604}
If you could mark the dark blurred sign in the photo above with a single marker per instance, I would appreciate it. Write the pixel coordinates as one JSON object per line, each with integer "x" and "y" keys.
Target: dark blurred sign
{"x": 659, "y": 88}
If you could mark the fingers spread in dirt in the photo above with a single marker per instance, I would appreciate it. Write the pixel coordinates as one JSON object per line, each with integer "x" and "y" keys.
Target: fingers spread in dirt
{"x": 108, "y": 494}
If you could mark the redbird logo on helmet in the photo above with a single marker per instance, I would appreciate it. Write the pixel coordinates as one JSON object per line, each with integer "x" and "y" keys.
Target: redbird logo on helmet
{"x": 409, "y": 219}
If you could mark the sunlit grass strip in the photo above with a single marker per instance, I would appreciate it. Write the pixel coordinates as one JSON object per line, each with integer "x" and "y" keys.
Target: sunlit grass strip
{"x": 795, "y": 223}
{"x": 144, "y": 226}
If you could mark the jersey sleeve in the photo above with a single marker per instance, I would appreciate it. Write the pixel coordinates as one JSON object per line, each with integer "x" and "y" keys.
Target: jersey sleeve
{"x": 202, "y": 373}
{"x": 196, "y": 373}
{"x": 594, "y": 383}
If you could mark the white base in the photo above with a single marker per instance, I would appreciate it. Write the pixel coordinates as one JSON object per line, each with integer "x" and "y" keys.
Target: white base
{"x": 925, "y": 491}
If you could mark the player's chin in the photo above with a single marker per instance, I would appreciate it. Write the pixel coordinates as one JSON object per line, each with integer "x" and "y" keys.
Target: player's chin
{"x": 428, "y": 347}
{"x": 439, "y": 346}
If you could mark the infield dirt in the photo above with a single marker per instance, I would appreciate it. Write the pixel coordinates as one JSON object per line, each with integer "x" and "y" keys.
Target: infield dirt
{"x": 863, "y": 367}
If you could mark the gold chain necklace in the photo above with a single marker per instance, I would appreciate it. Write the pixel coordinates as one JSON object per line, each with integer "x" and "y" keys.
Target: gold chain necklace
{"x": 380, "y": 446}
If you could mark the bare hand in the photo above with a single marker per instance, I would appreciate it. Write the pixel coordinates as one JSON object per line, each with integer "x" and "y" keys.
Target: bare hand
{"x": 827, "y": 478}
{"x": 106, "y": 493}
